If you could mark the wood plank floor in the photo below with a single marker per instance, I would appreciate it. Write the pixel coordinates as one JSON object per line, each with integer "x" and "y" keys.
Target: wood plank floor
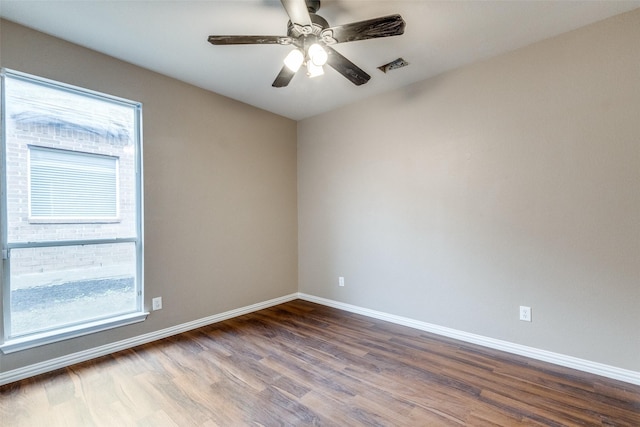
{"x": 301, "y": 364}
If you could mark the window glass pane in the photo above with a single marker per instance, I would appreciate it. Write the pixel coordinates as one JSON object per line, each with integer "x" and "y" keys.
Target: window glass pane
{"x": 59, "y": 286}
{"x": 71, "y": 136}
{"x": 72, "y": 185}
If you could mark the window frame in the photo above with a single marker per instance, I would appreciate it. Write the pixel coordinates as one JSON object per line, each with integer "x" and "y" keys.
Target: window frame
{"x": 9, "y": 344}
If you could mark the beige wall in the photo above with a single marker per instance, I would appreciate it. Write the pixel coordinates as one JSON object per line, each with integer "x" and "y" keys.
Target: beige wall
{"x": 514, "y": 181}
{"x": 220, "y": 190}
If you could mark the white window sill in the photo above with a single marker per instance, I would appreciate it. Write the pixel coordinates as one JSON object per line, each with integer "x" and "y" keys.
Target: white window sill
{"x": 35, "y": 340}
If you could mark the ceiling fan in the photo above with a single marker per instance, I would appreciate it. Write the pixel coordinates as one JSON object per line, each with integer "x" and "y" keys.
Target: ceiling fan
{"x": 312, "y": 38}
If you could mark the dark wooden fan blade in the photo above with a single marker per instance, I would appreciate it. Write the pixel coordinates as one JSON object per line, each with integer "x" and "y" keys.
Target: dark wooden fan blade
{"x": 227, "y": 40}
{"x": 386, "y": 26}
{"x": 284, "y": 77}
{"x": 351, "y": 71}
{"x": 297, "y": 11}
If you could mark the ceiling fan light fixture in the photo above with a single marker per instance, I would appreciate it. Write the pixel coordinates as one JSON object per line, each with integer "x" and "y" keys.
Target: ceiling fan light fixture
{"x": 314, "y": 70}
{"x": 318, "y": 55}
{"x": 294, "y": 60}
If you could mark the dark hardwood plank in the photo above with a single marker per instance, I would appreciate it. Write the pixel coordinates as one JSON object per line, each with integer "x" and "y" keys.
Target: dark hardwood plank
{"x": 300, "y": 363}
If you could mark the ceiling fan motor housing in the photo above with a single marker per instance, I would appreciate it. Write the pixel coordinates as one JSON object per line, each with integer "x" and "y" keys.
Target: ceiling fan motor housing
{"x": 318, "y": 23}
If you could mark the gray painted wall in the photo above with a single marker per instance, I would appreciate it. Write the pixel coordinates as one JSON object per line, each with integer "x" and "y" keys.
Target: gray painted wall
{"x": 514, "y": 181}
{"x": 220, "y": 190}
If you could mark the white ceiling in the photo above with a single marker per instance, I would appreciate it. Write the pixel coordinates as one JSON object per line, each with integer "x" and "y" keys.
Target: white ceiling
{"x": 170, "y": 37}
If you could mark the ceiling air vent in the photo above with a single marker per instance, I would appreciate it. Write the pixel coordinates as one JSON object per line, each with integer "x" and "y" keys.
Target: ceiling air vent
{"x": 398, "y": 63}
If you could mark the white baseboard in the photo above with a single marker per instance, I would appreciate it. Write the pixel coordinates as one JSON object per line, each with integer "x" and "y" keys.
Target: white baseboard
{"x": 608, "y": 371}
{"x": 64, "y": 361}
{"x": 601, "y": 369}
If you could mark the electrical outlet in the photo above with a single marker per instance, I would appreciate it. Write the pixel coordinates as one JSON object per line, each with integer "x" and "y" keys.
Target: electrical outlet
{"x": 156, "y": 303}
{"x": 525, "y": 313}
{"x": 340, "y": 281}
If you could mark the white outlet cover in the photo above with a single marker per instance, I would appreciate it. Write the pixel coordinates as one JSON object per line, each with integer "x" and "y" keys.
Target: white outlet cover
{"x": 525, "y": 313}
{"x": 156, "y": 303}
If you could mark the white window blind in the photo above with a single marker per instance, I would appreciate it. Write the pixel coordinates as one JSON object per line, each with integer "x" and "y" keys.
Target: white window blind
{"x": 72, "y": 185}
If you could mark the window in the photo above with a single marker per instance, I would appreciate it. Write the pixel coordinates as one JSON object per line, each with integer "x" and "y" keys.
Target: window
{"x": 71, "y": 211}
